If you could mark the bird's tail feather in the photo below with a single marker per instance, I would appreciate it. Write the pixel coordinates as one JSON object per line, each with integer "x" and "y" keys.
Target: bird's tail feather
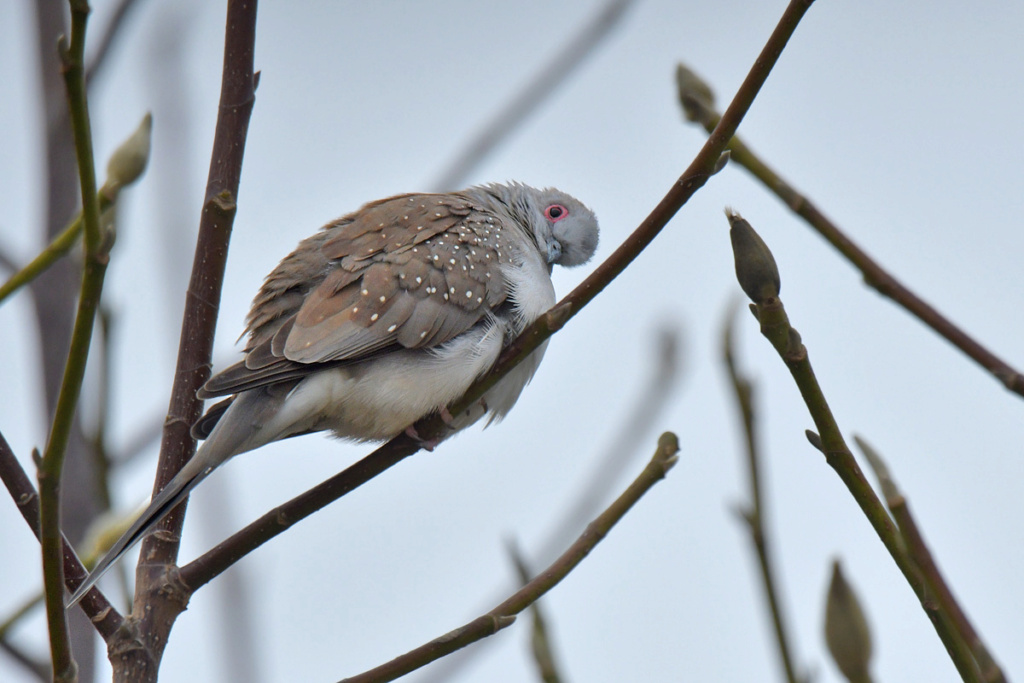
{"x": 165, "y": 501}
{"x": 234, "y": 433}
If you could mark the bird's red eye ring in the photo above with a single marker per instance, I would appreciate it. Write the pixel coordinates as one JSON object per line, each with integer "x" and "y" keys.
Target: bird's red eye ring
{"x": 556, "y": 212}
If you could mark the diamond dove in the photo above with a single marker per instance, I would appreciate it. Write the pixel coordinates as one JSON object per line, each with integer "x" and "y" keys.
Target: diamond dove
{"x": 383, "y": 317}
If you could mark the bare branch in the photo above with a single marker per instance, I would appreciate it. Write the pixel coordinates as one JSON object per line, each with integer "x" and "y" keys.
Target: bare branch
{"x": 97, "y": 249}
{"x": 504, "y": 614}
{"x": 918, "y": 550}
{"x": 762, "y": 286}
{"x": 697, "y": 101}
{"x": 540, "y": 640}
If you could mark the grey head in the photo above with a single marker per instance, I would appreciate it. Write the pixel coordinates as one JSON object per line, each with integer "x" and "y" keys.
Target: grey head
{"x": 564, "y": 230}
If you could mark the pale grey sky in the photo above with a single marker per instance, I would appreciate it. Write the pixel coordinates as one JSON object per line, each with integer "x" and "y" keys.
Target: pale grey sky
{"x": 901, "y": 120}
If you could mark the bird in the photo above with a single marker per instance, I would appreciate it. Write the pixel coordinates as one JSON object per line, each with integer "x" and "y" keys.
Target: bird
{"x": 382, "y": 317}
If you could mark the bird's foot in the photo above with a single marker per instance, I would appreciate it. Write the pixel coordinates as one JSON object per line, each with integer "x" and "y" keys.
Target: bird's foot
{"x": 425, "y": 444}
{"x": 447, "y": 418}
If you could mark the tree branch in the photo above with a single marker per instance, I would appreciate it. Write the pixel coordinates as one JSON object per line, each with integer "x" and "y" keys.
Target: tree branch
{"x": 96, "y": 257}
{"x": 922, "y": 556}
{"x": 154, "y": 613}
{"x": 276, "y": 521}
{"x": 697, "y": 101}
{"x": 755, "y": 269}
{"x": 505, "y": 614}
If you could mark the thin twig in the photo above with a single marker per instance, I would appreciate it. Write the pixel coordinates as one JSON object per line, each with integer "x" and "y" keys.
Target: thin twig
{"x": 552, "y": 75}
{"x": 754, "y": 266}
{"x": 60, "y": 245}
{"x": 623, "y": 446}
{"x": 504, "y": 614}
{"x": 606, "y": 472}
{"x": 96, "y": 256}
{"x": 701, "y": 168}
{"x": 754, "y": 514}
{"x": 696, "y": 99}
{"x": 157, "y": 612}
{"x": 922, "y": 556}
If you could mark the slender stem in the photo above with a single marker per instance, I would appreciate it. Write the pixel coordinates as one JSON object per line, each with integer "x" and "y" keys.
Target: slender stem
{"x": 96, "y": 256}
{"x": 504, "y": 614}
{"x": 60, "y": 245}
{"x": 754, "y": 514}
{"x": 155, "y": 612}
{"x": 919, "y": 552}
{"x": 695, "y": 97}
{"x": 776, "y": 328}
{"x": 218, "y": 559}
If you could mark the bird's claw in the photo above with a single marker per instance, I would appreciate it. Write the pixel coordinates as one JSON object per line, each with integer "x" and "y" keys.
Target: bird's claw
{"x": 447, "y": 418}
{"x": 425, "y": 444}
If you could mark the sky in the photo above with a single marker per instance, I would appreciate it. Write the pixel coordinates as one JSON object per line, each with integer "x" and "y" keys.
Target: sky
{"x": 899, "y": 120}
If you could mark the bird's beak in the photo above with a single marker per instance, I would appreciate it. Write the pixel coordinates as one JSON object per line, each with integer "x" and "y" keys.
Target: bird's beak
{"x": 554, "y": 251}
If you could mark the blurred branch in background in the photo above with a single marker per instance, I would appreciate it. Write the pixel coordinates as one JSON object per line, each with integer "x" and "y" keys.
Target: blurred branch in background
{"x": 758, "y": 275}
{"x": 111, "y": 33}
{"x": 697, "y": 100}
{"x": 753, "y": 513}
{"x": 553, "y": 74}
{"x": 919, "y": 553}
{"x": 504, "y": 615}
{"x": 37, "y": 668}
{"x": 643, "y": 415}
{"x": 540, "y": 638}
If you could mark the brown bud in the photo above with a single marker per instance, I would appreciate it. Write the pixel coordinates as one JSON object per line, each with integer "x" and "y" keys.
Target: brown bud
{"x": 846, "y": 629}
{"x": 755, "y": 266}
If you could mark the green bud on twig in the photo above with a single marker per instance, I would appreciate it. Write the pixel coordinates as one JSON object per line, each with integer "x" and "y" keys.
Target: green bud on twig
{"x": 755, "y": 266}
{"x": 129, "y": 160}
{"x": 695, "y": 95}
{"x": 846, "y": 629}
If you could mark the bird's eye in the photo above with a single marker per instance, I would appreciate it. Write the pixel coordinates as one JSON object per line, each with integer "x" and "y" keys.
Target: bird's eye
{"x": 556, "y": 212}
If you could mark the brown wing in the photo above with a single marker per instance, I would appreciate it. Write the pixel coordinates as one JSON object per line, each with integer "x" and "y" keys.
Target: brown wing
{"x": 412, "y": 271}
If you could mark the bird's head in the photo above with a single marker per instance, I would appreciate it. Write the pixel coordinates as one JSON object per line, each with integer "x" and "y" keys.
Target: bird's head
{"x": 563, "y": 228}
